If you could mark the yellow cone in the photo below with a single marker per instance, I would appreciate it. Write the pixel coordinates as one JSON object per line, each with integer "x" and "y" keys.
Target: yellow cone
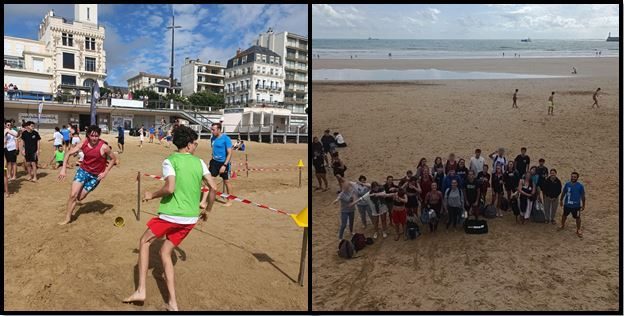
{"x": 300, "y": 164}
{"x": 301, "y": 219}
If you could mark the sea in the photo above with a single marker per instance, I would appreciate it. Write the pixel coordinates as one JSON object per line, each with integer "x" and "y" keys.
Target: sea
{"x": 462, "y": 48}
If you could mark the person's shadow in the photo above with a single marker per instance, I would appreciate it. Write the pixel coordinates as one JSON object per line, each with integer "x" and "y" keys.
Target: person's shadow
{"x": 155, "y": 263}
{"x": 92, "y": 206}
{"x": 16, "y": 185}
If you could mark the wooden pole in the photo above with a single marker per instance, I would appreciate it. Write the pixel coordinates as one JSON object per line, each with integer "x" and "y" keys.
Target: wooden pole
{"x": 299, "y": 176}
{"x": 304, "y": 246}
{"x": 247, "y": 165}
{"x": 138, "y": 214}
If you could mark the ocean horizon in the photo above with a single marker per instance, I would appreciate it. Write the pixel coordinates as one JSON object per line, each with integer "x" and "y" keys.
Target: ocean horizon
{"x": 461, "y": 48}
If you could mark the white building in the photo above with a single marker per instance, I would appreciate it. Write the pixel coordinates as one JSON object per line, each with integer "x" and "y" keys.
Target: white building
{"x": 254, "y": 77}
{"x": 68, "y": 56}
{"x": 198, "y": 76}
{"x": 294, "y": 49}
{"x": 156, "y": 83}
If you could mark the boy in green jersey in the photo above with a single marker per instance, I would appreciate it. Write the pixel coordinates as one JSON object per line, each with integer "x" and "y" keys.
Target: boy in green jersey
{"x": 179, "y": 210}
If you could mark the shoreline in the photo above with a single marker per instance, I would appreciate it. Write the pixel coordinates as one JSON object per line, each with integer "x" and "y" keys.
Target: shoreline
{"x": 586, "y": 66}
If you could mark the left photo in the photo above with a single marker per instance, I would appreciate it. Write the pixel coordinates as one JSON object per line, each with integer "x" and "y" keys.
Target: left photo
{"x": 155, "y": 157}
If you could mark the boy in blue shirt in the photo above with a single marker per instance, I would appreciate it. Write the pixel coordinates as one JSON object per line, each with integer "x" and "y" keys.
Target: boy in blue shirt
{"x": 573, "y": 201}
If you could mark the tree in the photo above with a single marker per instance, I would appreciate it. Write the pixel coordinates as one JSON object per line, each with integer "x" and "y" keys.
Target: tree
{"x": 177, "y": 98}
{"x": 136, "y": 95}
{"x": 206, "y": 99}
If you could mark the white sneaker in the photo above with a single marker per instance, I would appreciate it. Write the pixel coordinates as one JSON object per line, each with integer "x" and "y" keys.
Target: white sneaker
{"x": 385, "y": 235}
{"x": 375, "y": 235}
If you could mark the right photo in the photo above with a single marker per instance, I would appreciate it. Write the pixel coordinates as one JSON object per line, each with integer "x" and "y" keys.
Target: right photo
{"x": 465, "y": 157}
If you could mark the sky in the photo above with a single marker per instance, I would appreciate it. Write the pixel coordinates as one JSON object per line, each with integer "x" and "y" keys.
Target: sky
{"x": 136, "y": 37}
{"x": 465, "y": 21}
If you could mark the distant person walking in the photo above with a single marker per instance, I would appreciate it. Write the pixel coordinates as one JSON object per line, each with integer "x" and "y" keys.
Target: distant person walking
{"x": 151, "y": 132}
{"x": 573, "y": 201}
{"x": 551, "y": 103}
{"x": 390, "y": 55}
{"x": 32, "y": 149}
{"x": 141, "y": 131}
{"x": 120, "y": 138}
{"x": 515, "y": 98}
{"x": 574, "y": 71}
{"x": 595, "y": 97}
{"x": 221, "y": 157}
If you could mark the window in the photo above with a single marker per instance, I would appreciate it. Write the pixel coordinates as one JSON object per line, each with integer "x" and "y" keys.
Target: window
{"x": 38, "y": 64}
{"x": 68, "y": 61}
{"x": 277, "y": 60}
{"x": 244, "y": 59}
{"x": 88, "y": 83}
{"x": 264, "y": 58}
{"x": 90, "y": 64}
{"x": 88, "y": 19}
{"x": 258, "y": 97}
{"x": 13, "y": 62}
{"x": 161, "y": 89}
{"x": 235, "y": 62}
{"x": 68, "y": 39}
{"x": 69, "y": 80}
{"x": 271, "y": 59}
{"x": 89, "y": 43}
{"x": 149, "y": 80}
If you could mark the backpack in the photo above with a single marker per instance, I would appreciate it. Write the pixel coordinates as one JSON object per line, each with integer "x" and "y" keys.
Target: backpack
{"x": 537, "y": 213}
{"x": 515, "y": 206}
{"x": 473, "y": 226}
{"x": 370, "y": 241}
{"x": 448, "y": 191}
{"x": 359, "y": 241}
{"x": 489, "y": 211}
{"x": 413, "y": 231}
{"x": 346, "y": 249}
{"x": 424, "y": 216}
{"x": 504, "y": 204}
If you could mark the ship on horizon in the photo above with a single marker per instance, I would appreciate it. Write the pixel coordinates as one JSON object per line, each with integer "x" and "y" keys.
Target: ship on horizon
{"x": 526, "y": 40}
{"x": 612, "y": 39}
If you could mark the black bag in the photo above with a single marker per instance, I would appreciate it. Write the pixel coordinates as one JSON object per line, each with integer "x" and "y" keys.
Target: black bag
{"x": 346, "y": 249}
{"x": 515, "y": 206}
{"x": 424, "y": 216}
{"x": 474, "y": 226}
{"x": 359, "y": 241}
{"x": 413, "y": 231}
{"x": 489, "y": 211}
{"x": 537, "y": 213}
{"x": 370, "y": 241}
{"x": 504, "y": 203}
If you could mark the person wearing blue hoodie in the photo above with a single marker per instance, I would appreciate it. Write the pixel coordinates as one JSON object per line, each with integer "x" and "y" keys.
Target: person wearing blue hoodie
{"x": 446, "y": 183}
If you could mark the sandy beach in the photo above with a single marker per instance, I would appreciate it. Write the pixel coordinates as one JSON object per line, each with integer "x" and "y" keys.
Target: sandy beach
{"x": 389, "y": 126}
{"x": 90, "y": 264}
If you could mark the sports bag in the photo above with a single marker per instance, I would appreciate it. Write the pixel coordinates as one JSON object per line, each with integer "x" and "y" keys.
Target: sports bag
{"x": 424, "y": 216}
{"x": 413, "y": 231}
{"x": 537, "y": 214}
{"x": 346, "y": 249}
{"x": 504, "y": 204}
{"x": 359, "y": 241}
{"x": 489, "y": 211}
{"x": 515, "y": 206}
{"x": 475, "y": 226}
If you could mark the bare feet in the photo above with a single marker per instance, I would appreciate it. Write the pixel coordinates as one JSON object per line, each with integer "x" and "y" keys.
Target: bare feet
{"x": 228, "y": 203}
{"x": 67, "y": 221}
{"x": 135, "y": 297}
{"x": 559, "y": 228}
{"x": 579, "y": 233}
{"x": 171, "y": 307}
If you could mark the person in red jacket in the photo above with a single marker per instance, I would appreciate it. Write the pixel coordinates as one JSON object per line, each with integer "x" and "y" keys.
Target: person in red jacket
{"x": 93, "y": 168}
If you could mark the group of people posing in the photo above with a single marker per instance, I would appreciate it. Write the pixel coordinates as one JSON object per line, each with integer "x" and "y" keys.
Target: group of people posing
{"x": 455, "y": 190}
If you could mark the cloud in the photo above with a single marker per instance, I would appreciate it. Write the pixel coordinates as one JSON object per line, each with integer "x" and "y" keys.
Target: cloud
{"x": 240, "y": 16}
{"x": 155, "y": 21}
{"x": 470, "y": 21}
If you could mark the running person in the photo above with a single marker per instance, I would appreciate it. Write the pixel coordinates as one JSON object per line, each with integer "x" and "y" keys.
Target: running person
{"x": 120, "y": 138}
{"x": 141, "y": 131}
{"x": 221, "y": 157}
{"x": 573, "y": 201}
{"x": 179, "y": 210}
{"x": 595, "y": 97}
{"x": 92, "y": 170}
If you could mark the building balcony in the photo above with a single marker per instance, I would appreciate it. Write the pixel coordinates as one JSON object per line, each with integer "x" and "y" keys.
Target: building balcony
{"x": 266, "y": 73}
{"x": 268, "y": 88}
{"x": 210, "y": 83}
{"x": 209, "y": 73}
{"x": 295, "y": 101}
{"x": 297, "y": 46}
{"x": 296, "y": 79}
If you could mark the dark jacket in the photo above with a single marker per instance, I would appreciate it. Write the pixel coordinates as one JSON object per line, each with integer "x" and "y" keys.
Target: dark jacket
{"x": 551, "y": 189}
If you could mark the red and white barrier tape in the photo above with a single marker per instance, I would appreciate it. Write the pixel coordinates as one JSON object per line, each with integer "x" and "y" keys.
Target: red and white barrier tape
{"x": 229, "y": 197}
{"x": 266, "y": 169}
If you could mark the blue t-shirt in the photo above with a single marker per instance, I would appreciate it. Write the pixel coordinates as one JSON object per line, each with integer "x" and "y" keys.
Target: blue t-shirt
{"x": 572, "y": 194}
{"x": 120, "y": 130}
{"x": 242, "y": 148}
{"x": 220, "y": 145}
{"x": 65, "y": 133}
{"x": 151, "y": 130}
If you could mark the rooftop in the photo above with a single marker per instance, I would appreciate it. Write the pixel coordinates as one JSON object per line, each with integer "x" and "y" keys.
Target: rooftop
{"x": 145, "y": 74}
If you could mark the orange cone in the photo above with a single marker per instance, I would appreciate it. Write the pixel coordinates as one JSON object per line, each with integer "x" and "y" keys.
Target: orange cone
{"x": 234, "y": 176}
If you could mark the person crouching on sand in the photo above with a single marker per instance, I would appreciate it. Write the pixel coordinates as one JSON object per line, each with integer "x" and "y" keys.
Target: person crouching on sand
{"x": 182, "y": 204}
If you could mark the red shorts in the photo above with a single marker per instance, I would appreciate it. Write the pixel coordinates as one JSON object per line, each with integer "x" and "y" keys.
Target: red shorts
{"x": 399, "y": 216}
{"x": 174, "y": 232}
